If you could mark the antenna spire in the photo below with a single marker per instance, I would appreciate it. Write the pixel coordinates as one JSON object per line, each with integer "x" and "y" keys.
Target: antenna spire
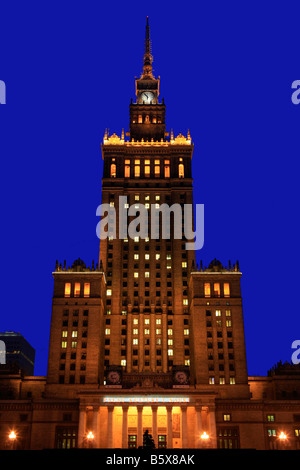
{"x": 147, "y": 69}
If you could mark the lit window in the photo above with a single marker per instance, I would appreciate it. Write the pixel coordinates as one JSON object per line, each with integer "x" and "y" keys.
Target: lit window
{"x": 271, "y": 432}
{"x": 170, "y": 352}
{"x": 158, "y": 341}
{"x": 113, "y": 170}
{"x": 270, "y": 418}
{"x": 169, "y": 266}
{"x": 211, "y": 380}
{"x": 217, "y": 289}
{"x": 226, "y": 289}
{"x": 187, "y": 362}
{"x": 64, "y": 334}
{"x": 228, "y": 323}
{"x": 135, "y": 321}
{"x": 147, "y": 239}
{"x": 157, "y": 168}
{"x": 147, "y": 197}
{"x": 86, "y": 289}
{"x": 226, "y": 417}
{"x": 136, "y": 239}
{"x": 67, "y": 289}
{"x": 186, "y": 331}
{"x": 218, "y": 313}
{"x": 181, "y": 170}
{"x": 108, "y": 292}
{"x": 64, "y": 344}
{"x": 136, "y": 256}
{"x": 123, "y": 362}
{"x": 107, "y": 331}
{"x": 147, "y": 274}
{"x": 170, "y": 332}
{"x": 157, "y": 256}
{"x": 170, "y": 342}
{"x": 169, "y": 256}
{"x": 135, "y": 341}
{"x": 147, "y": 321}
{"x": 158, "y": 321}
{"x": 147, "y": 331}
{"x": 135, "y": 331}
{"x": 111, "y": 204}
{"x": 137, "y": 168}
{"x": 77, "y": 289}
{"x": 185, "y": 302}
{"x": 74, "y": 344}
{"x": 136, "y": 274}
{"x": 147, "y": 205}
{"x": 147, "y": 168}
{"x": 207, "y": 289}
{"x": 157, "y": 197}
{"x": 157, "y": 206}
{"x": 222, "y": 380}
{"x": 136, "y": 197}
{"x": 140, "y": 119}
{"x": 127, "y": 169}
{"x": 147, "y": 256}
{"x": 74, "y": 334}
{"x": 228, "y": 313}
{"x": 158, "y": 331}
{"x": 232, "y": 380}
{"x": 167, "y": 168}
{"x": 184, "y": 264}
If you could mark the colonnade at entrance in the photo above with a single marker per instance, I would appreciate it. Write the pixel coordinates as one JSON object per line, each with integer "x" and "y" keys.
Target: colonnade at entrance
{"x": 123, "y": 426}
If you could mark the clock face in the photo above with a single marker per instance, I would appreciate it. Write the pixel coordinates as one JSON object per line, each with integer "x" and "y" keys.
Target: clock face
{"x": 147, "y": 97}
{"x": 180, "y": 377}
{"x": 114, "y": 377}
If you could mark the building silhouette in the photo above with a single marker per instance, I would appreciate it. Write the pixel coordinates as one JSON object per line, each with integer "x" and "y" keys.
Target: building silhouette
{"x": 144, "y": 340}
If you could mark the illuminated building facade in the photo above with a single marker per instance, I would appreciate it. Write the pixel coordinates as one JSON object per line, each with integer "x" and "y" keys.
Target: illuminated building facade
{"x": 145, "y": 339}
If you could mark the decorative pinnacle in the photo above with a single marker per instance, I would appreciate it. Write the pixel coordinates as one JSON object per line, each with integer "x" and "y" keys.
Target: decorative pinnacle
{"x": 147, "y": 69}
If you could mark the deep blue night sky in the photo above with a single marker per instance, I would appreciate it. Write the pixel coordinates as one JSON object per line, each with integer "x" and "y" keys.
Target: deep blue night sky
{"x": 226, "y": 71}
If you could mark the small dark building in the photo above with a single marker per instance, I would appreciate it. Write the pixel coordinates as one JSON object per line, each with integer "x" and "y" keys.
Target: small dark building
{"x": 18, "y": 351}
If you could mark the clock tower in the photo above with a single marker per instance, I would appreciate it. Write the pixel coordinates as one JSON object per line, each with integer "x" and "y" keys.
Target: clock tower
{"x": 147, "y": 115}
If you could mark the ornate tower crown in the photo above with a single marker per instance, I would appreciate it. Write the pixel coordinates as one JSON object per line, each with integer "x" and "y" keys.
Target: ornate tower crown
{"x": 147, "y": 87}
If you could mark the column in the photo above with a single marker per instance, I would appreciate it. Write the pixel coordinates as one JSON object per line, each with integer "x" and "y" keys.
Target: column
{"x": 141, "y": 345}
{"x": 129, "y": 342}
{"x": 110, "y": 427}
{"x": 82, "y": 425}
{"x": 140, "y": 426}
{"x": 125, "y": 428}
{"x": 184, "y": 430}
{"x": 95, "y": 426}
{"x": 198, "y": 427}
{"x": 169, "y": 428}
{"x": 212, "y": 426}
{"x": 152, "y": 342}
{"x": 154, "y": 425}
{"x": 164, "y": 342}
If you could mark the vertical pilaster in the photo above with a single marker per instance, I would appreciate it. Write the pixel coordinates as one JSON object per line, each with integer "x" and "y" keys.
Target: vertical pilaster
{"x": 82, "y": 425}
{"x": 184, "y": 429}
{"x": 154, "y": 425}
{"x": 140, "y": 426}
{"x": 169, "y": 428}
{"x": 125, "y": 427}
{"x": 198, "y": 426}
{"x": 110, "y": 427}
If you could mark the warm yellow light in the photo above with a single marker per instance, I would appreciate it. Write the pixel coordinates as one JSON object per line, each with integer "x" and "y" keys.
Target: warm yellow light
{"x": 282, "y": 435}
{"x": 204, "y": 436}
{"x": 90, "y": 435}
{"x": 12, "y": 435}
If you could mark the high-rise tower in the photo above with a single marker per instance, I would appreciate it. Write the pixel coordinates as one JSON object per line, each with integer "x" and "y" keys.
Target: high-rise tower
{"x": 147, "y": 278}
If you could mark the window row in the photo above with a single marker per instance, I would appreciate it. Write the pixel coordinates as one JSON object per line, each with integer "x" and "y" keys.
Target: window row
{"x": 73, "y": 344}
{"x": 222, "y": 380}
{"x": 215, "y": 289}
{"x": 147, "y": 168}
{"x": 78, "y": 289}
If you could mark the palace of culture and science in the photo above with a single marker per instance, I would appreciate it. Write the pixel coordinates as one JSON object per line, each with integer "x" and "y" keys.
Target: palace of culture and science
{"x": 144, "y": 339}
